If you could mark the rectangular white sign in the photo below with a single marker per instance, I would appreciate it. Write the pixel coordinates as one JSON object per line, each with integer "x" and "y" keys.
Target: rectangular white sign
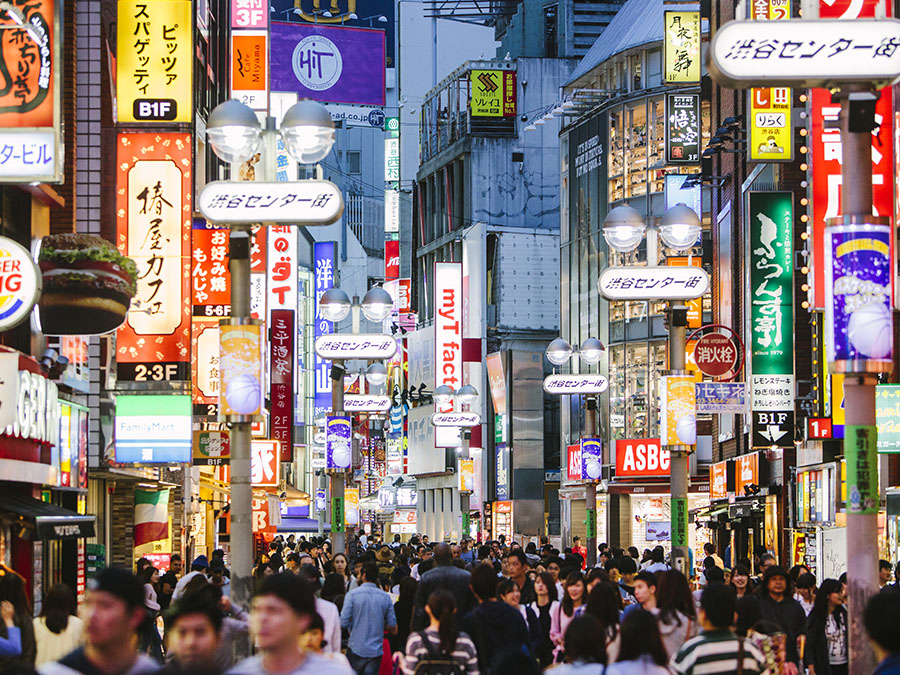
{"x": 28, "y": 154}
{"x": 772, "y": 392}
{"x": 305, "y": 202}
{"x": 356, "y": 116}
{"x": 448, "y": 326}
{"x": 391, "y": 211}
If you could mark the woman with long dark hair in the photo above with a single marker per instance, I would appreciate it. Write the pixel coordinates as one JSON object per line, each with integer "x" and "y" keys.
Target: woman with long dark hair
{"x": 334, "y": 589}
{"x": 544, "y": 605}
{"x": 403, "y": 610}
{"x": 57, "y": 631}
{"x": 585, "y": 654}
{"x": 826, "y": 631}
{"x": 605, "y": 604}
{"x": 642, "y": 651}
{"x": 340, "y": 566}
{"x": 508, "y": 591}
{"x": 12, "y": 590}
{"x": 677, "y": 619}
{"x": 741, "y": 582}
{"x": 151, "y": 642}
{"x": 441, "y": 639}
{"x": 573, "y": 603}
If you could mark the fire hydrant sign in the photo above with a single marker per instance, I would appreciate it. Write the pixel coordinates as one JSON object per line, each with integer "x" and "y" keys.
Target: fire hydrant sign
{"x": 305, "y": 202}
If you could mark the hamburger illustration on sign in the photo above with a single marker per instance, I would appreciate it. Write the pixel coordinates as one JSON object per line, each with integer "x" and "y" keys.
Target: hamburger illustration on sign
{"x": 88, "y": 285}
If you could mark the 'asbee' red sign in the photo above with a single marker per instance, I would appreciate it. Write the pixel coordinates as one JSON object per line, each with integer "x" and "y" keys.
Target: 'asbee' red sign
{"x": 573, "y": 465}
{"x": 641, "y": 457}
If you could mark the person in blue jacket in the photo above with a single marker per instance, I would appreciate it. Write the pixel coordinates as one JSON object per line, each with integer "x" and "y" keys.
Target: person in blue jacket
{"x": 12, "y": 644}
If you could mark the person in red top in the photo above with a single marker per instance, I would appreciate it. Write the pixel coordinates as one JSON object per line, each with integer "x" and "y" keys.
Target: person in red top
{"x": 578, "y": 548}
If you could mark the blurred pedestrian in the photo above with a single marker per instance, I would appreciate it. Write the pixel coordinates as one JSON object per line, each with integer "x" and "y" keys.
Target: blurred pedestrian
{"x": 508, "y": 592}
{"x": 827, "y": 647}
{"x": 194, "y": 636}
{"x": 585, "y": 654}
{"x": 440, "y": 639}
{"x": 151, "y": 642}
{"x": 58, "y": 630}
{"x": 641, "y": 651}
{"x": 676, "y": 618}
{"x": 882, "y": 622}
{"x": 314, "y": 641}
{"x": 572, "y": 605}
{"x": 368, "y": 612}
{"x": 777, "y": 604}
{"x": 544, "y": 606}
{"x": 403, "y": 610}
{"x": 605, "y": 604}
{"x": 443, "y": 575}
{"x": 12, "y": 589}
{"x": 168, "y": 581}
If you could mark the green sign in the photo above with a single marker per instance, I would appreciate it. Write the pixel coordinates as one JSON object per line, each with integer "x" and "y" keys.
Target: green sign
{"x": 465, "y": 524}
{"x": 337, "y": 514}
{"x": 862, "y": 469}
{"x": 770, "y": 218}
{"x": 392, "y": 125}
{"x": 887, "y": 417}
{"x": 499, "y": 428}
{"x": 679, "y": 521}
{"x": 591, "y": 522}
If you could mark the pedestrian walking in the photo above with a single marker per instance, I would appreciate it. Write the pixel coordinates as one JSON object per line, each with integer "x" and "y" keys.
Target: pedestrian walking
{"x": 58, "y": 630}
{"x": 11, "y": 645}
{"x": 440, "y": 640}
{"x": 627, "y": 567}
{"x": 508, "y": 592}
{"x": 882, "y": 622}
{"x": 194, "y": 636}
{"x": 544, "y": 606}
{"x": 676, "y": 618}
{"x": 403, "y": 610}
{"x": 443, "y": 575}
{"x": 641, "y": 651}
{"x": 314, "y": 641}
{"x": 113, "y": 610}
{"x": 740, "y": 581}
{"x": 605, "y": 604}
{"x": 777, "y": 604}
{"x": 168, "y": 582}
{"x": 805, "y": 591}
{"x": 282, "y": 611}
{"x": 198, "y": 567}
{"x": 340, "y": 566}
{"x": 572, "y": 605}
{"x": 368, "y": 612}
{"x": 717, "y": 650}
{"x": 826, "y": 651}
{"x": 644, "y": 592}
{"x": 517, "y": 567}
{"x": 151, "y": 642}
{"x": 585, "y": 654}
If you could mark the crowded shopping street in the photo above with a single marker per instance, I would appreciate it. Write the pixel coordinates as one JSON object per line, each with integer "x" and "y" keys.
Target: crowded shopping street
{"x": 429, "y": 337}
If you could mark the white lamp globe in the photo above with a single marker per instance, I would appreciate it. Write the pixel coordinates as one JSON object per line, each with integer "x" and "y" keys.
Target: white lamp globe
{"x": 334, "y": 304}
{"x": 377, "y": 304}
{"x": 559, "y": 351}
{"x": 624, "y": 228}
{"x": 591, "y": 350}
{"x": 308, "y": 131}
{"x": 233, "y": 132}
{"x": 680, "y": 227}
{"x": 443, "y": 394}
{"x": 467, "y": 394}
{"x": 376, "y": 374}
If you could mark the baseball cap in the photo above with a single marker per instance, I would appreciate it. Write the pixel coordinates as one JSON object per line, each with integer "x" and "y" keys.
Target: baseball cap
{"x": 119, "y": 582}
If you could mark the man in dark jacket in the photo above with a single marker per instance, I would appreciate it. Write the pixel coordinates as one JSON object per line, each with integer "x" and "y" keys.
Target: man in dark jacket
{"x": 494, "y": 626}
{"x": 443, "y": 575}
{"x": 777, "y": 604}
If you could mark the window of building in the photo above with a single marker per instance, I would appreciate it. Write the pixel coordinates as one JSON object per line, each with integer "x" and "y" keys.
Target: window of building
{"x": 616, "y": 155}
{"x": 636, "y": 148}
{"x": 551, "y": 31}
{"x": 354, "y": 162}
{"x": 657, "y": 366}
{"x": 636, "y": 72}
{"x": 617, "y": 389}
{"x": 636, "y": 391}
{"x": 654, "y": 69}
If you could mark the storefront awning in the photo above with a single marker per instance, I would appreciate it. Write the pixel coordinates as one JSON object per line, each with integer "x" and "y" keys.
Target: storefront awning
{"x": 295, "y": 524}
{"x": 46, "y": 521}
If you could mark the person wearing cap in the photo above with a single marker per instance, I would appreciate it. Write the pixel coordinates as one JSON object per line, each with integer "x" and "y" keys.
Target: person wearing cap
{"x": 777, "y": 604}
{"x": 113, "y": 610}
{"x": 199, "y": 566}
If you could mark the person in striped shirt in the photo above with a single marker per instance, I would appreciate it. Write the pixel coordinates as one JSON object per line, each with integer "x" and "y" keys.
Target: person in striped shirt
{"x": 717, "y": 649}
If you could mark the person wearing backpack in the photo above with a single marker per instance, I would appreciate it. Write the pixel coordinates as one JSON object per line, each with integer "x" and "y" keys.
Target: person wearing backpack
{"x": 440, "y": 649}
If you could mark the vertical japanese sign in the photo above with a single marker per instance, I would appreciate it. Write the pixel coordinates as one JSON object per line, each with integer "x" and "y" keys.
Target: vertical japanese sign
{"x": 493, "y": 93}
{"x": 338, "y": 436}
{"x": 448, "y": 327}
{"x": 240, "y": 371}
{"x": 677, "y": 410}
{"x": 249, "y": 68}
{"x": 153, "y": 223}
{"x": 324, "y": 259}
{"x": 392, "y": 162}
{"x": 769, "y": 218}
{"x": 282, "y": 267}
{"x": 502, "y": 465}
{"x": 281, "y": 378}
{"x": 29, "y": 92}
{"x": 683, "y": 128}
{"x": 258, "y": 259}
{"x": 154, "y": 61}
{"x": 392, "y": 260}
{"x": 825, "y": 195}
{"x": 264, "y": 463}
{"x": 682, "y": 47}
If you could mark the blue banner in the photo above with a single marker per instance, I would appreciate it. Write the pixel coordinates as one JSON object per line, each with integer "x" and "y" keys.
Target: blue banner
{"x": 324, "y": 258}
{"x": 721, "y": 397}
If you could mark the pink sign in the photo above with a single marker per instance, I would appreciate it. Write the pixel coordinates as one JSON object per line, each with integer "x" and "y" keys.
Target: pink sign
{"x": 249, "y": 14}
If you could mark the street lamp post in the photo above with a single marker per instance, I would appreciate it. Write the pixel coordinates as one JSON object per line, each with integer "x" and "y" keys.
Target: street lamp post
{"x": 466, "y": 395}
{"x": 624, "y": 229}
{"x": 559, "y": 352}
{"x": 234, "y": 134}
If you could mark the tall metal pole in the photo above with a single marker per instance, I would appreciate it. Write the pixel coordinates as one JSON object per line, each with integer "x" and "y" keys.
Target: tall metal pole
{"x": 590, "y": 490}
{"x": 338, "y": 536}
{"x": 679, "y": 454}
{"x": 241, "y": 539}
{"x": 859, "y": 405}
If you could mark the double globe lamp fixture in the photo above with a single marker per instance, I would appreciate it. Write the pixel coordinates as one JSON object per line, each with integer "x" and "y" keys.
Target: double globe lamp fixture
{"x": 444, "y": 394}
{"x": 559, "y": 351}
{"x": 335, "y": 304}
{"x": 624, "y": 228}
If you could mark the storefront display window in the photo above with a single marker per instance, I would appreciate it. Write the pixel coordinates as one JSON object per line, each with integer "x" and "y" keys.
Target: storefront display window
{"x": 636, "y": 394}
{"x": 616, "y": 155}
{"x": 617, "y": 390}
{"x": 636, "y": 148}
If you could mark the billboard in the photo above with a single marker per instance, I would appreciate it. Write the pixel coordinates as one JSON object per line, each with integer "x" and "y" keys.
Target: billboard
{"x": 338, "y": 439}
{"x": 493, "y": 93}
{"x": 771, "y": 130}
{"x": 240, "y": 371}
{"x": 153, "y": 429}
{"x": 641, "y": 457}
{"x": 677, "y": 410}
{"x": 281, "y": 378}
{"x": 153, "y": 224}
{"x": 683, "y": 129}
{"x": 154, "y": 76}
{"x": 448, "y": 327}
{"x": 324, "y": 260}
{"x": 328, "y": 63}
{"x": 681, "y": 47}
{"x": 249, "y": 72}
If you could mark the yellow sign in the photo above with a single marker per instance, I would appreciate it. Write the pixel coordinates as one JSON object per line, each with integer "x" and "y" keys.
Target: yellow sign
{"x": 682, "y": 47}
{"x": 838, "y": 417}
{"x": 770, "y": 10}
{"x": 677, "y": 410}
{"x": 351, "y": 507}
{"x": 467, "y": 475}
{"x": 493, "y": 93}
{"x": 154, "y": 80}
{"x": 240, "y": 370}
{"x": 771, "y": 133}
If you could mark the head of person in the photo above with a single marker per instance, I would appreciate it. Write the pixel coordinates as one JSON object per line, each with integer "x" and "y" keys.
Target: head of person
{"x": 640, "y": 637}
{"x": 443, "y": 555}
{"x": 594, "y": 577}
{"x": 426, "y": 552}
{"x": 175, "y": 563}
{"x": 544, "y": 583}
{"x": 200, "y": 564}
{"x": 140, "y": 565}
{"x": 882, "y": 621}
{"x": 767, "y": 560}
{"x": 484, "y": 583}
{"x": 829, "y": 597}
{"x": 195, "y": 628}
{"x": 673, "y": 595}
{"x": 658, "y": 555}
{"x": 709, "y": 548}
{"x": 884, "y": 572}
{"x": 59, "y": 604}
{"x": 726, "y": 574}
{"x": 795, "y": 572}
{"x": 425, "y": 539}
{"x": 776, "y": 581}
{"x": 627, "y": 567}
{"x": 611, "y": 570}
{"x": 197, "y": 584}
{"x": 715, "y": 575}
{"x": 574, "y": 593}
{"x": 113, "y": 608}
{"x": 717, "y": 603}
{"x": 508, "y": 591}
{"x": 150, "y": 575}
{"x": 749, "y": 613}
{"x": 582, "y": 645}
{"x": 441, "y": 607}
{"x": 740, "y": 577}
{"x": 313, "y": 639}
{"x": 605, "y": 604}
{"x": 576, "y": 541}
{"x": 333, "y": 586}
{"x": 369, "y": 573}
{"x": 408, "y": 587}
{"x": 644, "y": 586}
{"x": 282, "y": 611}
{"x": 516, "y": 564}
{"x": 806, "y": 586}
{"x": 554, "y": 565}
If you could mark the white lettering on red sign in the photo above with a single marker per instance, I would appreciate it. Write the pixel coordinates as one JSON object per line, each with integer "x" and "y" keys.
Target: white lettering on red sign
{"x": 392, "y": 259}
{"x": 573, "y": 465}
{"x": 641, "y": 457}
{"x": 448, "y": 326}
{"x": 282, "y": 267}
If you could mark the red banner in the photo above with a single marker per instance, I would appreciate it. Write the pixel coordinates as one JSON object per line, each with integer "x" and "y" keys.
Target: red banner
{"x": 281, "y": 359}
{"x": 641, "y": 457}
{"x": 391, "y": 260}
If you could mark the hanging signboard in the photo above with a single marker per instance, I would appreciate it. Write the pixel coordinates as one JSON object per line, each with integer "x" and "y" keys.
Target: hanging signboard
{"x": 771, "y": 129}
{"x": 575, "y": 384}
{"x": 153, "y": 222}
{"x": 448, "y": 320}
{"x": 249, "y": 71}
{"x": 211, "y": 448}
{"x": 324, "y": 260}
{"x": 153, "y": 429}
{"x": 281, "y": 379}
{"x": 721, "y": 397}
{"x": 20, "y": 283}
{"x": 392, "y": 259}
{"x": 770, "y": 249}
{"x": 154, "y": 75}
{"x": 653, "y": 283}
{"x": 391, "y": 211}
{"x": 456, "y": 419}
{"x": 351, "y": 507}
{"x": 887, "y": 417}
{"x": 641, "y": 458}
{"x": 354, "y": 403}
{"x": 573, "y": 462}
{"x": 683, "y": 136}
{"x": 493, "y": 93}
{"x": 356, "y": 346}
{"x": 677, "y": 410}
{"x": 718, "y": 481}
{"x": 695, "y": 306}
{"x": 681, "y": 47}
{"x": 591, "y": 458}
{"x": 249, "y": 13}
{"x": 240, "y": 371}
{"x": 801, "y": 53}
{"x": 264, "y": 463}
{"x": 305, "y": 202}
{"x": 715, "y": 354}
{"x": 338, "y": 451}
{"x": 466, "y": 475}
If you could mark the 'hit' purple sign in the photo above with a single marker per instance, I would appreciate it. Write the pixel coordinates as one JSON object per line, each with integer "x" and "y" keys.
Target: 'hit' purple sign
{"x": 329, "y": 63}
{"x": 858, "y": 283}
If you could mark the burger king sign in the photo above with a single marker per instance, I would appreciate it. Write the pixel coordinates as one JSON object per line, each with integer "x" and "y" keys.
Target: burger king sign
{"x": 20, "y": 283}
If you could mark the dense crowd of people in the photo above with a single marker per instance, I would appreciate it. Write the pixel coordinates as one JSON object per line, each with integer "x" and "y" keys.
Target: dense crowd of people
{"x": 449, "y": 609}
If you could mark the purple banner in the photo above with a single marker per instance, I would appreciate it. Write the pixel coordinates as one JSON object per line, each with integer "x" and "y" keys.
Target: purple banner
{"x": 858, "y": 281}
{"x": 338, "y": 451}
{"x": 333, "y": 64}
{"x": 591, "y": 458}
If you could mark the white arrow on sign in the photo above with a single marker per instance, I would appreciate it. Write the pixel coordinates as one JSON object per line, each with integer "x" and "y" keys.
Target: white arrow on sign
{"x": 798, "y": 53}
{"x": 363, "y": 403}
{"x": 305, "y": 202}
{"x": 655, "y": 282}
{"x": 575, "y": 384}
{"x": 456, "y": 419}
{"x": 773, "y": 432}
{"x": 355, "y": 346}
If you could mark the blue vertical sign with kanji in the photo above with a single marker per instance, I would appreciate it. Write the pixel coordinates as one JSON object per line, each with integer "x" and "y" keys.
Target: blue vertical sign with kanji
{"x": 324, "y": 259}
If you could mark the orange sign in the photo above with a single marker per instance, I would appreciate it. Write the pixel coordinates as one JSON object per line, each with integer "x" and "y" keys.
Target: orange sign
{"x": 695, "y": 307}
{"x": 153, "y": 222}
{"x": 746, "y": 472}
{"x": 718, "y": 481}
{"x": 264, "y": 462}
{"x": 28, "y": 69}
{"x": 261, "y": 519}
{"x": 248, "y": 61}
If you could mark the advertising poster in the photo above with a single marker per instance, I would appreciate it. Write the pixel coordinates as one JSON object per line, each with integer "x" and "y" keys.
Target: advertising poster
{"x": 264, "y": 462}
{"x": 281, "y": 380}
{"x": 249, "y": 74}
{"x": 591, "y": 458}
{"x": 466, "y": 475}
{"x": 677, "y": 410}
{"x": 334, "y": 64}
{"x": 502, "y": 466}
{"x": 681, "y": 47}
{"x": 351, "y": 507}
{"x": 324, "y": 260}
{"x": 240, "y": 370}
{"x": 211, "y": 448}
{"x": 493, "y": 93}
{"x": 771, "y": 131}
{"x": 887, "y": 417}
{"x": 338, "y": 449}
{"x": 858, "y": 291}
{"x": 683, "y": 136}
{"x": 573, "y": 462}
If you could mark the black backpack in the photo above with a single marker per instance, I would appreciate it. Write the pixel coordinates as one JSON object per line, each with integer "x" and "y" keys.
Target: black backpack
{"x": 437, "y": 663}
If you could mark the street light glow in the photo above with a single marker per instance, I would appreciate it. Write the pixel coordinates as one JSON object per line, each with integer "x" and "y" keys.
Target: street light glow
{"x": 680, "y": 227}
{"x": 624, "y": 228}
{"x": 377, "y": 304}
{"x": 559, "y": 351}
{"x": 308, "y": 131}
{"x": 334, "y": 304}
{"x": 233, "y": 132}
{"x": 591, "y": 350}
